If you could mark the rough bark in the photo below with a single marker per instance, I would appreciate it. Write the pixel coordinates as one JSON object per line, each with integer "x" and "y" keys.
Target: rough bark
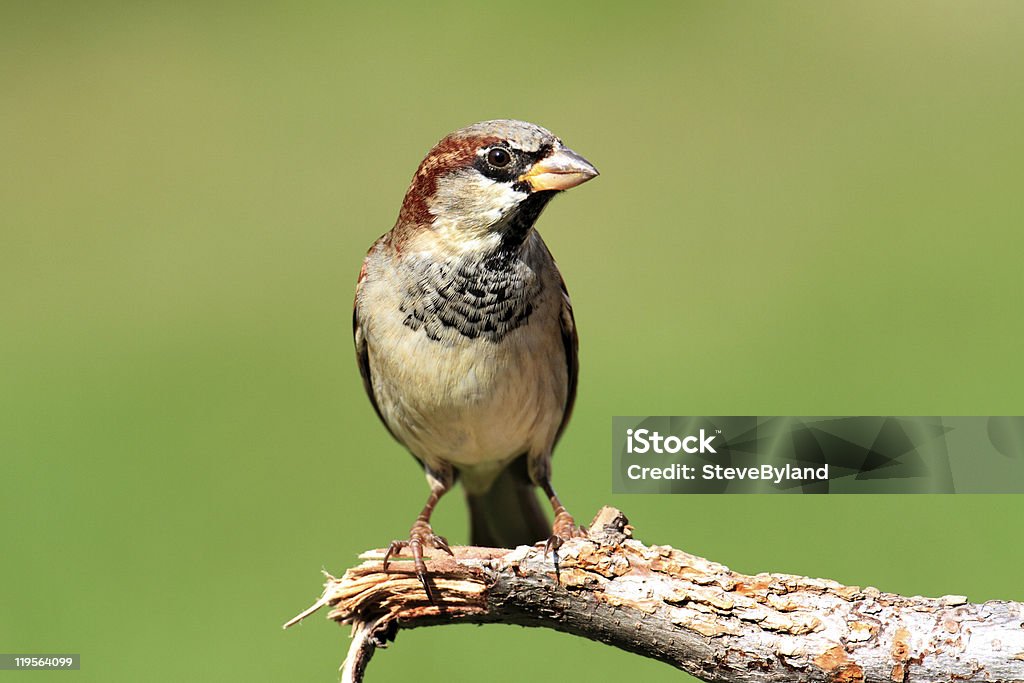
{"x": 689, "y": 612}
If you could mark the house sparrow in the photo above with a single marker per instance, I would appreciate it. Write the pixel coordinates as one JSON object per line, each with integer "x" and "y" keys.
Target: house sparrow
{"x": 465, "y": 336}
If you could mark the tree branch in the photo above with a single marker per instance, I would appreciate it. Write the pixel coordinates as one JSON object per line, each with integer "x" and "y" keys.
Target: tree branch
{"x": 687, "y": 611}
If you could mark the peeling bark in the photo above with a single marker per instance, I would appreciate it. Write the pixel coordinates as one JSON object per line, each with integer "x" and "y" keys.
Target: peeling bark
{"x": 689, "y": 612}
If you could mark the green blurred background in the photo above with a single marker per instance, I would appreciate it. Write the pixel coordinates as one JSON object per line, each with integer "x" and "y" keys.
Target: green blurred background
{"x": 804, "y": 209}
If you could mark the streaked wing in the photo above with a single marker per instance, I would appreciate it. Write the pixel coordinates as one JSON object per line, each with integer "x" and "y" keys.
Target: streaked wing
{"x": 363, "y": 357}
{"x": 571, "y": 342}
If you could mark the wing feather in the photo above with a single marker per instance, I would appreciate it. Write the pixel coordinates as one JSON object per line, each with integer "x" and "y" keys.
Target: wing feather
{"x": 363, "y": 354}
{"x": 571, "y": 342}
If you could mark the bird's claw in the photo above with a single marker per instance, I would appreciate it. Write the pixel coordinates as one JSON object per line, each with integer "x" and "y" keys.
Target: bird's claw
{"x": 420, "y": 536}
{"x": 441, "y": 543}
{"x": 562, "y": 530}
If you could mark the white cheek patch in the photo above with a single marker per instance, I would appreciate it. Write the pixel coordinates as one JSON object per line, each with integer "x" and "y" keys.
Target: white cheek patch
{"x": 467, "y": 205}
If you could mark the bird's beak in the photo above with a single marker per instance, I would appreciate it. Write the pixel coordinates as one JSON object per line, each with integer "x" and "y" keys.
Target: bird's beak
{"x": 560, "y": 170}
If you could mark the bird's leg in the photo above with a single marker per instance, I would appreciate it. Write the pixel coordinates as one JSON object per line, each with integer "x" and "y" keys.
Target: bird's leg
{"x": 422, "y": 535}
{"x": 564, "y": 527}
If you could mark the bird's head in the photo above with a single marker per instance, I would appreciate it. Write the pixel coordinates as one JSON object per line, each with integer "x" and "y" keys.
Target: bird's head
{"x": 486, "y": 184}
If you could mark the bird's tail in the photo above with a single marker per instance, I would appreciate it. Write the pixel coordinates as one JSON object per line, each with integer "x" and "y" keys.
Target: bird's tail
{"x": 509, "y": 514}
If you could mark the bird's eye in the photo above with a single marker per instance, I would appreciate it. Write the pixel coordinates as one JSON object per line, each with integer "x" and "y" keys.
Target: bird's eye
{"x": 499, "y": 157}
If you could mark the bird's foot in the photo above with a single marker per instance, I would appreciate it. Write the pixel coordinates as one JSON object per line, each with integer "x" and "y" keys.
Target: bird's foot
{"x": 420, "y": 536}
{"x": 562, "y": 530}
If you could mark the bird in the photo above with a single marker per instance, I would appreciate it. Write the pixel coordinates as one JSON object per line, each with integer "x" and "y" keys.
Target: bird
{"x": 465, "y": 337}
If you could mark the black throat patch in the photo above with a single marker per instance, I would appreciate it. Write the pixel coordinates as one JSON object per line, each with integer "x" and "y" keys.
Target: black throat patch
{"x": 477, "y": 295}
{"x": 526, "y": 214}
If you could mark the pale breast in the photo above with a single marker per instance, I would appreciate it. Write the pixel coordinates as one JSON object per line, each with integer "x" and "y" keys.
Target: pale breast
{"x": 467, "y": 358}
